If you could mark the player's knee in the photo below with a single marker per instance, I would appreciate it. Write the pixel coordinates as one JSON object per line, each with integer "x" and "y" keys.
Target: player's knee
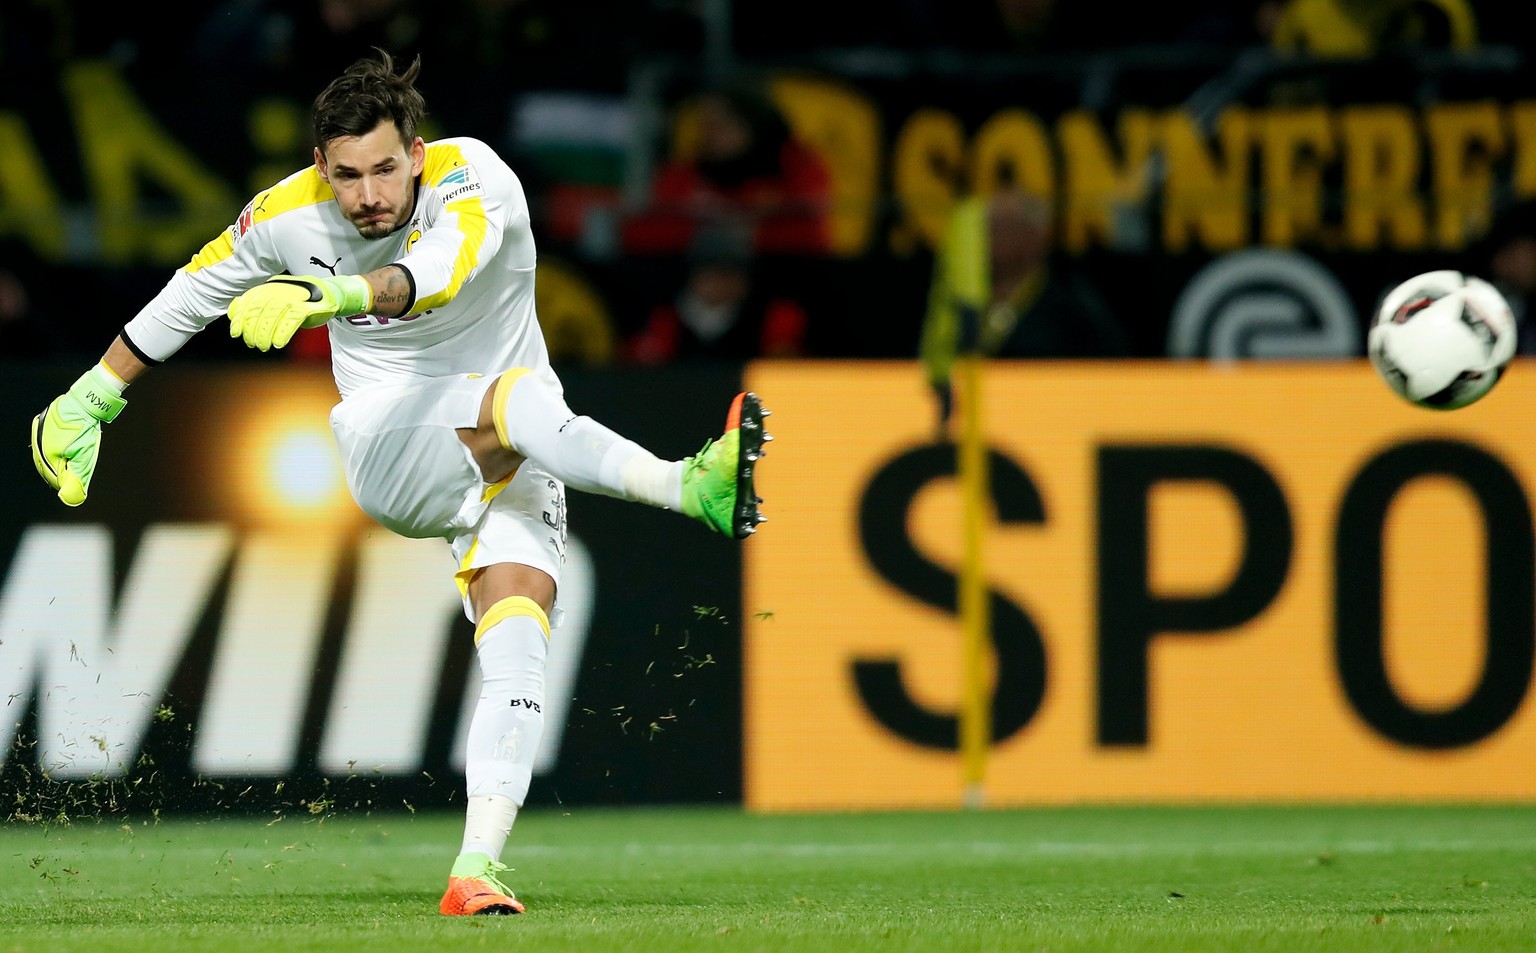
{"x": 507, "y": 378}
{"x": 512, "y": 642}
{"x": 498, "y": 395}
{"x": 510, "y": 609}
{"x": 491, "y": 430}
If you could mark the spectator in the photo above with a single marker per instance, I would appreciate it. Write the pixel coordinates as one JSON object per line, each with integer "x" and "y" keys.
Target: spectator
{"x": 25, "y": 331}
{"x": 527, "y": 45}
{"x": 748, "y": 168}
{"x": 288, "y": 47}
{"x": 996, "y": 277}
{"x": 1509, "y": 262}
{"x": 720, "y": 313}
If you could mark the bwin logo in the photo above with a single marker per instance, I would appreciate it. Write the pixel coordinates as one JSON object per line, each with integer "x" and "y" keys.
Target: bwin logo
{"x": 96, "y": 659}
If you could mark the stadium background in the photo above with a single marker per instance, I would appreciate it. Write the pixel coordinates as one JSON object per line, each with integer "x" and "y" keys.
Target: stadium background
{"x": 1353, "y": 576}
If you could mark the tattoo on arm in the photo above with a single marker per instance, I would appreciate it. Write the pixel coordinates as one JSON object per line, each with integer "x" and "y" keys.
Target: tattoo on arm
{"x": 392, "y": 291}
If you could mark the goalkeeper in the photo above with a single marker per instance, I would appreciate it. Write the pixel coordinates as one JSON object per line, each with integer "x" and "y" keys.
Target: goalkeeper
{"x": 420, "y": 260}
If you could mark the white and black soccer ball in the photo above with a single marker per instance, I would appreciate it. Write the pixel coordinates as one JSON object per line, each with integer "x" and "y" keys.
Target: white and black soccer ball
{"x": 1442, "y": 339}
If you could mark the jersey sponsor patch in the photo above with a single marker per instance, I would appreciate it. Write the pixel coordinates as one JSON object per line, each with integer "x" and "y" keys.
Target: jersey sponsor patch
{"x": 458, "y": 182}
{"x": 247, "y": 215}
{"x": 247, "y": 219}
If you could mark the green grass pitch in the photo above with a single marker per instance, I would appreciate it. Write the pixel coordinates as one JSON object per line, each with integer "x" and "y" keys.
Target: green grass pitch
{"x": 1179, "y": 880}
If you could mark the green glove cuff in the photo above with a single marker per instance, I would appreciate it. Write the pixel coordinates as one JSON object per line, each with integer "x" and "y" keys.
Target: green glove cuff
{"x": 100, "y": 392}
{"x": 353, "y": 294}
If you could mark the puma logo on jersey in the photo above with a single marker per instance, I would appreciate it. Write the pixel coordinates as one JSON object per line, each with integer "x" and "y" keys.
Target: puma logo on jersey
{"x": 248, "y": 214}
{"x": 330, "y": 268}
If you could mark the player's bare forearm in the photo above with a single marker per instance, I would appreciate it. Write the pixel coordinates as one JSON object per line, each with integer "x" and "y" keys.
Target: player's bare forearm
{"x": 121, "y": 361}
{"x": 391, "y": 291}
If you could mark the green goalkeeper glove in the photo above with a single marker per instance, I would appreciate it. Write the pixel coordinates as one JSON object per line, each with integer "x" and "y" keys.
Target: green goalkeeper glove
{"x": 66, "y": 436}
{"x": 270, "y": 314}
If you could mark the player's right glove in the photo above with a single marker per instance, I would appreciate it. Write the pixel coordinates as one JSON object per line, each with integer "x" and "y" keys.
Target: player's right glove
{"x": 270, "y": 314}
{"x": 66, "y": 436}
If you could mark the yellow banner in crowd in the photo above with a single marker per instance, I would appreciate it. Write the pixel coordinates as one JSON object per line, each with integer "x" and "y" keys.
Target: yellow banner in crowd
{"x": 1252, "y": 582}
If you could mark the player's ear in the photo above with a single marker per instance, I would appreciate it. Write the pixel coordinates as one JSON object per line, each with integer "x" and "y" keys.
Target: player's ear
{"x": 320, "y": 164}
{"x": 418, "y": 156}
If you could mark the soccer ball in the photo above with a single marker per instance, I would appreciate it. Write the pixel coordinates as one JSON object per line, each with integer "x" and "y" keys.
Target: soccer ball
{"x": 1442, "y": 339}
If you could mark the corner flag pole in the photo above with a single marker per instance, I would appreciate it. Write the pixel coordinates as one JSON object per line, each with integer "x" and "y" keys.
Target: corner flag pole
{"x": 975, "y": 612}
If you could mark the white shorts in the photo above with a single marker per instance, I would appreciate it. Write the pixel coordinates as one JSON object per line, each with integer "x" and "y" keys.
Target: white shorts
{"x": 408, "y": 469}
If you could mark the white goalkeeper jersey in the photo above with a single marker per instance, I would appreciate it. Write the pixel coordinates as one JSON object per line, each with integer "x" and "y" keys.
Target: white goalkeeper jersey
{"x": 468, "y": 248}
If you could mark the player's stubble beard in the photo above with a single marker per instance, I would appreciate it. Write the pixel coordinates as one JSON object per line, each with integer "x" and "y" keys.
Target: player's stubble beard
{"x": 387, "y": 226}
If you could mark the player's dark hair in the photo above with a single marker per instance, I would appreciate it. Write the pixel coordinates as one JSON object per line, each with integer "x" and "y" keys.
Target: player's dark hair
{"x": 368, "y": 93}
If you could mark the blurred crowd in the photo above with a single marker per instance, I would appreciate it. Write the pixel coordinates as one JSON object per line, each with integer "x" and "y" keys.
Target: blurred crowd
{"x": 292, "y": 46}
{"x": 734, "y": 212}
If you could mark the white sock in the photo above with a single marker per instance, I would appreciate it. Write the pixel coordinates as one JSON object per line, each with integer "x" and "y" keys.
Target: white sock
{"x": 535, "y": 420}
{"x": 511, "y": 644}
{"x": 487, "y": 822}
{"x": 657, "y": 482}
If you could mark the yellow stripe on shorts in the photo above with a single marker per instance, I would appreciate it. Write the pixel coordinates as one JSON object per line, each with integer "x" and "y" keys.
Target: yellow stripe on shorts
{"x": 467, "y": 569}
{"x": 510, "y": 608}
{"x": 493, "y": 490}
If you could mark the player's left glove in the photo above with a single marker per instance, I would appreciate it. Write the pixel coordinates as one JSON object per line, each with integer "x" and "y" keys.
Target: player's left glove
{"x": 66, "y": 436}
{"x": 270, "y": 314}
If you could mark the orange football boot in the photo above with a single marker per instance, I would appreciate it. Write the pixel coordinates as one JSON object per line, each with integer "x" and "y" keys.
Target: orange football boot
{"x": 474, "y": 890}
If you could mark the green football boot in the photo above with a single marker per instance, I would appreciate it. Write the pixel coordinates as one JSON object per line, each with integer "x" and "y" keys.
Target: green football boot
{"x": 717, "y": 481}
